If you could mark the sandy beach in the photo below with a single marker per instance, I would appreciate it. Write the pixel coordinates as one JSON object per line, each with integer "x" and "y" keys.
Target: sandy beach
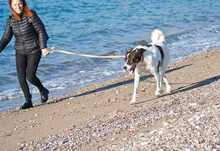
{"x": 99, "y": 117}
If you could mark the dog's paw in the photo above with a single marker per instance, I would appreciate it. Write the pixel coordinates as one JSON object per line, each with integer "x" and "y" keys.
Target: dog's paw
{"x": 161, "y": 91}
{"x": 132, "y": 102}
{"x": 168, "y": 90}
{"x": 158, "y": 93}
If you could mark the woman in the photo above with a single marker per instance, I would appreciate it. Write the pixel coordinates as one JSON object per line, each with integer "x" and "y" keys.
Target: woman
{"x": 30, "y": 42}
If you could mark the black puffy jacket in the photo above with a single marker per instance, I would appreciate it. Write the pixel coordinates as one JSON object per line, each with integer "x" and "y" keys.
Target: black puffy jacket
{"x": 30, "y": 34}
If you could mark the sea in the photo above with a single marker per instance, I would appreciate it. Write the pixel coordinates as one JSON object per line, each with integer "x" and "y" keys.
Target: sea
{"x": 101, "y": 26}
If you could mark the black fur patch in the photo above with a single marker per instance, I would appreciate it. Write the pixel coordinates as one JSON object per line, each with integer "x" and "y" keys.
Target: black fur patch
{"x": 162, "y": 57}
{"x": 134, "y": 56}
{"x": 161, "y": 51}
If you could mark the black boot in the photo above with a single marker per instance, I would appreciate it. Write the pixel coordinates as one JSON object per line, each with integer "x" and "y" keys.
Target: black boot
{"x": 44, "y": 95}
{"x": 26, "y": 105}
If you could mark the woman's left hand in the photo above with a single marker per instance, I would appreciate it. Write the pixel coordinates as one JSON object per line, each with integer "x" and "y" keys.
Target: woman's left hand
{"x": 45, "y": 52}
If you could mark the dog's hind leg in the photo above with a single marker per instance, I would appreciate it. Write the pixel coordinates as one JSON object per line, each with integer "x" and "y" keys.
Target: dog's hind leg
{"x": 168, "y": 87}
{"x": 136, "y": 83}
{"x": 157, "y": 78}
{"x": 161, "y": 75}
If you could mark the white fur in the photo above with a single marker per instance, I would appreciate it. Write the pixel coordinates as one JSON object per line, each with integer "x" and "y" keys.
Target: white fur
{"x": 157, "y": 37}
{"x": 152, "y": 57}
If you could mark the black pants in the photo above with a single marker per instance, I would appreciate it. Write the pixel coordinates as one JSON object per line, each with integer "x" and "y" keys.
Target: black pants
{"x": 26, "y": 70}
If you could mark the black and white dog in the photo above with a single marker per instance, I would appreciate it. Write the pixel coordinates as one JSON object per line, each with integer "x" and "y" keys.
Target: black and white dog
{"x": 155, "y": 58}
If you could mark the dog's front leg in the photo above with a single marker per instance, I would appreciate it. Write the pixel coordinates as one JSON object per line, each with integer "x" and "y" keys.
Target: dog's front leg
{"x": 136, "y": 83}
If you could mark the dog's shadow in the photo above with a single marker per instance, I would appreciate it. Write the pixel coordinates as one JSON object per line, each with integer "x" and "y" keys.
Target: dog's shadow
{"x": 196, "y": 84}
{"x": 111, "y": 86}
{"x": 188, "y": 87}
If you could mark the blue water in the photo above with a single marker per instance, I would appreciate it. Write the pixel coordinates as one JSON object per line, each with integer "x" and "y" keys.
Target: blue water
{"x": 97, "y": 27}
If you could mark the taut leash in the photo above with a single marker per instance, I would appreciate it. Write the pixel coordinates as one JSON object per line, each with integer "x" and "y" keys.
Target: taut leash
{"x": 52, "y": 50}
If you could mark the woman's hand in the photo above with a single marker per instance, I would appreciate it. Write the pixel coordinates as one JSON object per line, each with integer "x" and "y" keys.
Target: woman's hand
{"x": 45, "y": 52}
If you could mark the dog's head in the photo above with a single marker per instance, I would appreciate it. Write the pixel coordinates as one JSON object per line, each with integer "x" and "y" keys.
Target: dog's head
{"x": 132, "y": 57}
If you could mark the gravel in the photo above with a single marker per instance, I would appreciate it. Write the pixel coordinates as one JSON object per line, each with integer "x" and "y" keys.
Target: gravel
{"x": 188, "y": 120}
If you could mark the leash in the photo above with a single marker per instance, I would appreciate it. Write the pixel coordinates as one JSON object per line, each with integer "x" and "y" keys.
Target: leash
{"x": 52, "y": 50}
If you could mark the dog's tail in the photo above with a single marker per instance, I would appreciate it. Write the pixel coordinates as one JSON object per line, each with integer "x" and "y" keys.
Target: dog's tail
{"x": 157, "y": 37}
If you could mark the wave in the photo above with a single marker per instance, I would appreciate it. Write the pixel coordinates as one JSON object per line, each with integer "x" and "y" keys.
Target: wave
{"x": 192, "y": 40}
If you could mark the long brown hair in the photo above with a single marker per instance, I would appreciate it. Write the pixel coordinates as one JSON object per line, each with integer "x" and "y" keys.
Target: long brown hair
{"x": 26, "y": 10}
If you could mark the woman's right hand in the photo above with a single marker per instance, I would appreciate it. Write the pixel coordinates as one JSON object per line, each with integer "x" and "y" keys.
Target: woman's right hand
{"x": 45, "y": 52}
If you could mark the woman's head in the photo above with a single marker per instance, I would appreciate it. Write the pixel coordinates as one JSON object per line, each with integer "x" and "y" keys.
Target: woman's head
{"x": 19, "y": 7}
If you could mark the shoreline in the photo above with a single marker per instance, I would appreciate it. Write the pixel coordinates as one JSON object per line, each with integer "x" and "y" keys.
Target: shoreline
{"x": 100, "y": 114}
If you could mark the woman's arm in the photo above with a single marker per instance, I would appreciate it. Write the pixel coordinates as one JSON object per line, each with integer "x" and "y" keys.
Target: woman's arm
{"x": 6, "y": 38}
{"x": 40, "y": 29}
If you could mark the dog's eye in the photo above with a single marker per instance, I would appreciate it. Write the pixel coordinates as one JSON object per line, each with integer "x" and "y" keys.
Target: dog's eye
{"x": 129, "y": 50}
{"x": 136, "y": 60}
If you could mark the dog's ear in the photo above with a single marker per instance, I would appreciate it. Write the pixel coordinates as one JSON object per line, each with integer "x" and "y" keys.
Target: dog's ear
{"x": 140, "y": 50}
{"x": 139, "y": 55}
{"x": 129, "y": 50}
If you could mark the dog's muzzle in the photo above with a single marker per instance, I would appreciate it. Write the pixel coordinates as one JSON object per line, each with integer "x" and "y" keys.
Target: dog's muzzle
{"x": 129, "y": 68}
